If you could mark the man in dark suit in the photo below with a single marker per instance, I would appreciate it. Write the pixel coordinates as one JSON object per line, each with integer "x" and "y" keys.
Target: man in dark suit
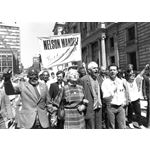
{"x": 35, "y": 100}
{"x": 91, "y": 84}
{"x": 54, "y": 89}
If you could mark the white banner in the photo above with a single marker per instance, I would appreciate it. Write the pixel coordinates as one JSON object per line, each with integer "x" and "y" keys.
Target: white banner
{"x": 57, "y": 50}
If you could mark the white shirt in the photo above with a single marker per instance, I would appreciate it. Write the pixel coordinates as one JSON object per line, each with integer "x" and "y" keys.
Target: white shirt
{"x": 114, "y": 91}
{"x": 133, "y": 91}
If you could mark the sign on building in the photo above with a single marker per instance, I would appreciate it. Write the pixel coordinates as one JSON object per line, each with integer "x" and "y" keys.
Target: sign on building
{"x": 57, "y": 50}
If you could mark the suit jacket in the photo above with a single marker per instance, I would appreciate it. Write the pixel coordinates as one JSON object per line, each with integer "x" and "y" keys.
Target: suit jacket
{"x": 85, "y": 81}
{"x": 53, "y": 91}
{"x": 31, "y": 103}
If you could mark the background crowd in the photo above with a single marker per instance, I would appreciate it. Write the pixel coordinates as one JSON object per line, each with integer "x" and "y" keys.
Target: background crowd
{"x": 85, "y": 97}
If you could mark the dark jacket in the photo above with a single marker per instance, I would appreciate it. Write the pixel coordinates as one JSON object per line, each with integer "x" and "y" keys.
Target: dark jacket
{"x": 85, "y": 81}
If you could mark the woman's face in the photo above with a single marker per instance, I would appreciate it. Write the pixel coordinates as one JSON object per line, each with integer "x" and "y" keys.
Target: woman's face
{"x": 73, "y": 76}
{"x": 131, "y": 78}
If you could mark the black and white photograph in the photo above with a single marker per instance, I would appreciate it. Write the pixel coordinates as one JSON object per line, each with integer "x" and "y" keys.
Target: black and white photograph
{"x": 81, "y": 75}
{"x": 74, "y": 65}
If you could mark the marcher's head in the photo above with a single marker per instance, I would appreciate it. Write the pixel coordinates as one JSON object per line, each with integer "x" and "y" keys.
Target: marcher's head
{"x": 120, "y": 73}
{"x": 52, "y": 75}
{"x": 147, "y": 71}
{"x": 33, "y": 76}
{"x": 129, "y": 68}
{"x": 130, "y": 77}
{"x": 93, "y": 69}
{"x": 60, "y": 76}
{"x": 113, "y": 71}
{"x": 73, "y": 76}
{"x": 82, "y": 71}
{"x": 103, "y": 70}
{"x": 45, "y": 75}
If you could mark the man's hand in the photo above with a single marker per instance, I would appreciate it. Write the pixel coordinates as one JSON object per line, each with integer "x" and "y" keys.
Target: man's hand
{"x": 81, "y": 108}
{"x": 147, "y": 66}
{"x": 53, "y": 120}
{"x": 85, "y": 101}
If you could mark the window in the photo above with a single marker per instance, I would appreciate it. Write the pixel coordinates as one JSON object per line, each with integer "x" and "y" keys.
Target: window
{"x": 111, "y": 42}
{"x": 132, "y": 59}
{"x": 93, "y": 26}
{"x": 6, "y": 61}
{"x": 84, "y": 54}
{"x": 75, "y": 30}
{"x": 83, "y": 29}
{"x": 131, "y": 35}
{"x": 95, "y": 55}
{"x": 112, "y": 59}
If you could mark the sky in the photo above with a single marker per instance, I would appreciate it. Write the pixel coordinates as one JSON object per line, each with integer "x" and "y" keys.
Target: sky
{"x": 29, "y": 33}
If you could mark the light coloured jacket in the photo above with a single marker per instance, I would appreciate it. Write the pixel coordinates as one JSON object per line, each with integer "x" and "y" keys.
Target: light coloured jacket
{"x": 31, "y": 104}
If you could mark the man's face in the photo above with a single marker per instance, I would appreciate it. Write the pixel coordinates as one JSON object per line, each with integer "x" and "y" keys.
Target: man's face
{"x": 130, "y": 67}
{"x": 33, "y": 77}
{"x": 82, "y": 72}
{"x": 60, "y": 77}
{"x": 103, "y": 71}
{"x": 94, "y": 71}
{"x": 147, "y": 72}
{"x": 45, "y": 76}
{"x": 113, "y": 71}
{"x": 53, "y": 76}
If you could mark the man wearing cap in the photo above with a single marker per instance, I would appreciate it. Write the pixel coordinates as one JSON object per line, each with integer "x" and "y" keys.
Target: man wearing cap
{"x": 35, "y": 100}
{"x": 91, "y": 84}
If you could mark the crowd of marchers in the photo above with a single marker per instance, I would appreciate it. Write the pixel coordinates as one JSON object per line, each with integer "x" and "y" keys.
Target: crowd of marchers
{"x": 79, "y": 97}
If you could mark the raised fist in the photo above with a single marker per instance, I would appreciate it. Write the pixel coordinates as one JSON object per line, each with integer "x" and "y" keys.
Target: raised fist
{"x": 7, "y": 73}
{"x": 147, "y": 66}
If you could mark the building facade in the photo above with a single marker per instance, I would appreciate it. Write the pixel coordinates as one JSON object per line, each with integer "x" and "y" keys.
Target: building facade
{"x": 92, "y": 40}
{"x": 121, "y": 43}
{"x": 9, "y": 48}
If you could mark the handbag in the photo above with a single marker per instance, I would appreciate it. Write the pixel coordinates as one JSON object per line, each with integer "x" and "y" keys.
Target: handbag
{"x": 61, "y": 110}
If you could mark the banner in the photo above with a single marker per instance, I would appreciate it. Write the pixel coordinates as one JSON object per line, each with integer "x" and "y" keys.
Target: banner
{"x": 57, "y": 50}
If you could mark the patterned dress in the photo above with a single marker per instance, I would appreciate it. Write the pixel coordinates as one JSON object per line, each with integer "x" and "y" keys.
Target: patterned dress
{"x": 72, "y": 97}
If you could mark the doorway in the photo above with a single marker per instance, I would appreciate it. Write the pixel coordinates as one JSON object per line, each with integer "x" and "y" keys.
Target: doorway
{"x": 131, "y": 59}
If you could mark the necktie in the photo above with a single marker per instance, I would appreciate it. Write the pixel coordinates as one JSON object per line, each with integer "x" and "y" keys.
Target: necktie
{"x": 36, "y": 91}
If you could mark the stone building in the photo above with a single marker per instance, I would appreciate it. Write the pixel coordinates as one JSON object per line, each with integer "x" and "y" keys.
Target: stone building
{"x": 92, "y": 40}
{"x": 9, "y": 47}
{"x": 113, "y": 42}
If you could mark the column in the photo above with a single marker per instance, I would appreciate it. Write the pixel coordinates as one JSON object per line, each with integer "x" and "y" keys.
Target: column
{"x": 103, "y": 36}
{"x": 116, "y": 50}
{"x": 88, "y": 28}
{"x": 89, "y": 53}
{"x": 99, "y": 51}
